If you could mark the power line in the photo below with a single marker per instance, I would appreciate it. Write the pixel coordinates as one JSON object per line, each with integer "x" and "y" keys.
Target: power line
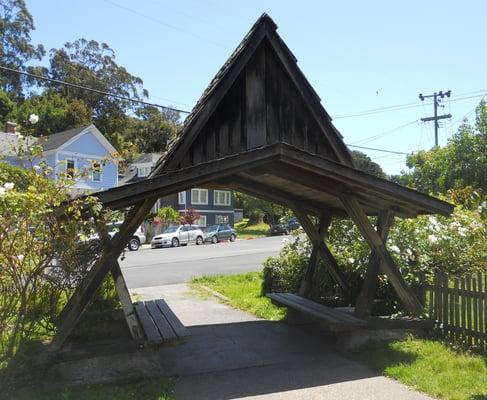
{"x": 399, "y": 107}
{"x": 381, "y": 150}
{"x": 74, "y": 85}
{"x": 385, "y": 133}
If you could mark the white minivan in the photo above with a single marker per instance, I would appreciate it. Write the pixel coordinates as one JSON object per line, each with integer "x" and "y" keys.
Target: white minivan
{"x": 177, "y": 235}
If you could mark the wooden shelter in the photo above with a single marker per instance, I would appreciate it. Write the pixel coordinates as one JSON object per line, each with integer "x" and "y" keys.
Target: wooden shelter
{"x": 260, "y": 128}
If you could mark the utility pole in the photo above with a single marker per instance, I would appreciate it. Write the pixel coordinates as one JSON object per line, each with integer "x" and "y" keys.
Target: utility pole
{"x": 437, "y": 97}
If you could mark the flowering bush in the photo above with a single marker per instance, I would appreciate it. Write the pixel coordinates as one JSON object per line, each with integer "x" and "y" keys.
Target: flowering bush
{"x": 455, "y": 244}
{"x": 42, "y": 257}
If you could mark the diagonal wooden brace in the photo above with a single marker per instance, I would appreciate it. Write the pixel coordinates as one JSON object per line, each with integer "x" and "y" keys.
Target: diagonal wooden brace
{"x": 321, "y": 248}
{"x": 86, "y": 290}
{"x": 365, "y": 299}
{"x": 323, "y": 225}
{"x": 121, "y": 289}
{"x": 387, "y": 265}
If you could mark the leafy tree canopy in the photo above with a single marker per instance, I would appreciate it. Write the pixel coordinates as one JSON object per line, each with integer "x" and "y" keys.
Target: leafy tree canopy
{"x": 461, "y": 163}
{"x": 364, "y": 163}
{"x": 16, "y": 49}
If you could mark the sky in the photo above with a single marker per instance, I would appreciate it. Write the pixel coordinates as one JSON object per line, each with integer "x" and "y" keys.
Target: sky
{"x": 358, "y": 56}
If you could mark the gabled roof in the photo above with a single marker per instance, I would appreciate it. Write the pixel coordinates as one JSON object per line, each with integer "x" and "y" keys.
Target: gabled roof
{"x": 148, "y": 158}
{"x": 264, "y": 28}
{"x": 56, "y": 140}
{"x": 60, "y": 140}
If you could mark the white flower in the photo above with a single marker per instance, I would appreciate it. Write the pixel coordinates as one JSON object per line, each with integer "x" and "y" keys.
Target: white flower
{"x": 8, "y": 186}
{"x": 395, "y": 249}
{"x": 408, "y": 252}
{"x": 36, "y": 167}
{"x": 20, "y": 257}
{"x": 462, "y": 231}
{"x": 33, "y": 119}
{"x": 285, "y": 241}
{"x": 432, "y": 239}
{"x": 351, "y": 260}
{"x": 2, "y": 190}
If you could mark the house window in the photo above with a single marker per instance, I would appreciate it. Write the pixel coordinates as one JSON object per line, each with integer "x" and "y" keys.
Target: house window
{"x": 182, "y": 198}
{"x": 199, "y": 196}
{"x": 143, "y": 171}
{"x": 222, "y": 219}
{"x": 201, "y": 221}
{"x": 222, "y": 197}
{"x": 96, "y": 171}
{"x": 70, "y": 168}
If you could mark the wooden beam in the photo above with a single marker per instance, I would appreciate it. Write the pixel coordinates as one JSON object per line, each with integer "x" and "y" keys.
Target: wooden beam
{"x": 86, "y": 290}
{"x": 121, "y": 288}
{"x": 321, "y": 247}
{"x": 362, "y": 181}
{"x": 365, "y": 299}
{"x": 323, "y": 225}
{"x": 175, "y": 181}
{"x": 388, "y": 266}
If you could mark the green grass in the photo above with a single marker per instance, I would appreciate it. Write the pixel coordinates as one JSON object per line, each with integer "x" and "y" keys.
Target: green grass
{"x": 244, "y": 293}
{"x": 245, "y": 231}
{"x": 139, "y": 389}
{"x": 431, "y": 367}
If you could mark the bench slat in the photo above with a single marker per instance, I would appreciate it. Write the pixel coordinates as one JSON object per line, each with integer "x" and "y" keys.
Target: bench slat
{"x": 150, "y": 328}
{"x": 162, "y": 324}
{"x": 320, "y": 307}
{"x": 173, "y": 320}
{"x": 317, "y": 310}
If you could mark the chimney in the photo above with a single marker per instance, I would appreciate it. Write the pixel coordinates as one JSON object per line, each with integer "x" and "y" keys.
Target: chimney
{"x": 10, "y": 127}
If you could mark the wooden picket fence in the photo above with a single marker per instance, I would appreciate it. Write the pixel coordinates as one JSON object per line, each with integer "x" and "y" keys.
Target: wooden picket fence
{"x": 459, "y": 307}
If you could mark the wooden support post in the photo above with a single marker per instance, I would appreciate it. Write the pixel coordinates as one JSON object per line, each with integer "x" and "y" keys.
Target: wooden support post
{"x": 365, "y": 299}
{"x": 388, "y": 266}
{"x": 86, "y": 290}
{"x": 121, "y": 289}
{"x": 321, "y": 247}
{"x": 126, "y": 301}
{"x": 324, "y": 224}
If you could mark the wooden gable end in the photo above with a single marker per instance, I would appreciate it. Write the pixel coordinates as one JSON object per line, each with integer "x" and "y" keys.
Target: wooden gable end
{"x": 262, "y": 107}
{"x": 259, "y": 97}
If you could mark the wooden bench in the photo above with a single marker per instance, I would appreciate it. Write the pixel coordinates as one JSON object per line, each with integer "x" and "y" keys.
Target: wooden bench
{"x": 159, "y": 323}
{"x": 334, "y": 320}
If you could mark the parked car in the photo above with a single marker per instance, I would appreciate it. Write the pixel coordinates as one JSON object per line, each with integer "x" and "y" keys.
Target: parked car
{"x": 178, "y": 235}
{"x": 284, "y": 228}
{"x": 215, "y": 233}
{"x": 134, "y": 243}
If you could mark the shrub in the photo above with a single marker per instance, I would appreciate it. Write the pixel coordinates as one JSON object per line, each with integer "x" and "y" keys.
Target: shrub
{"x": 456, "y": 245}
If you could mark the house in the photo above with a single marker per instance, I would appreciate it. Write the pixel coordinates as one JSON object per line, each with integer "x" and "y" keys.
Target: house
{"x": 215, "y": 206}
{"x": 84, "y": 150}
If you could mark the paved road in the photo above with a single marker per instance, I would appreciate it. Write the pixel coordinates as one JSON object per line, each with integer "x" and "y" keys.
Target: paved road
{"x": 155, "y": 267}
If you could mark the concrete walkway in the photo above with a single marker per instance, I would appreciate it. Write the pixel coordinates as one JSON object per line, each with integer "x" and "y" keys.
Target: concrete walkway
{"x": 233, "y": 355}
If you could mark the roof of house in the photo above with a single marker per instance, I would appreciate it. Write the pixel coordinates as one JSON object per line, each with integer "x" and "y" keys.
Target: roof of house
{"x": 147, "y": 158}
{"x": 56, "y": 140}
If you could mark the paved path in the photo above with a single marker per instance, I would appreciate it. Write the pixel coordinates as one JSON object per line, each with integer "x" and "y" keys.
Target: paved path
{"x": 233, "y": 355}
{"x": 154, "y": 267}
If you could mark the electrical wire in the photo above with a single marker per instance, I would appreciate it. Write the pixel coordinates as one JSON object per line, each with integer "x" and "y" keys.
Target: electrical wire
{"x": 374, "y": 149}
{"x": 385, "y": 133}
{"x": 74, "y": 85}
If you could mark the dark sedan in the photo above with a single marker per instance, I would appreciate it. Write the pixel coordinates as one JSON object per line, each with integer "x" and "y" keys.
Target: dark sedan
{"x": 215, "y": 233}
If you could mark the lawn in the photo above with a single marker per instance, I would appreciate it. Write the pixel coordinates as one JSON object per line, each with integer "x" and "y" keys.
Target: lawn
{"x": 136, "y": 389}
{"x": 430, "y": 366}
{"x": 244, "y": 293}
{"x": 246, "y": 231}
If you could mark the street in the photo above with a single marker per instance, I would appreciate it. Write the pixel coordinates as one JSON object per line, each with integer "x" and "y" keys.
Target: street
{"x": 154, "y": 267}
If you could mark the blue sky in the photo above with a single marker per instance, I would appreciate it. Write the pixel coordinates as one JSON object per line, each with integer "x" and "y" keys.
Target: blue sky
{"x": 358, "y": 55}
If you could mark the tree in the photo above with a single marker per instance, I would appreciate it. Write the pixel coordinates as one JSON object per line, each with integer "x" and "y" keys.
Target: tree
{"x": 166, "y": 216}
{"x": 151, "y": 130}
{"x": 461, "y": 163}
{"x": 92, "y": 64}
{"x": 363, "y": 162}
{"x": 7, "y": 107}
{"x": 16, "y": 49}
{"x": 56, "y": 114}
{"x": 258, "y": 210}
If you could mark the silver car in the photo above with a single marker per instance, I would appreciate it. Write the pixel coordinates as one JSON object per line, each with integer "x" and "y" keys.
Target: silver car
{"x": 178, "y": 235}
